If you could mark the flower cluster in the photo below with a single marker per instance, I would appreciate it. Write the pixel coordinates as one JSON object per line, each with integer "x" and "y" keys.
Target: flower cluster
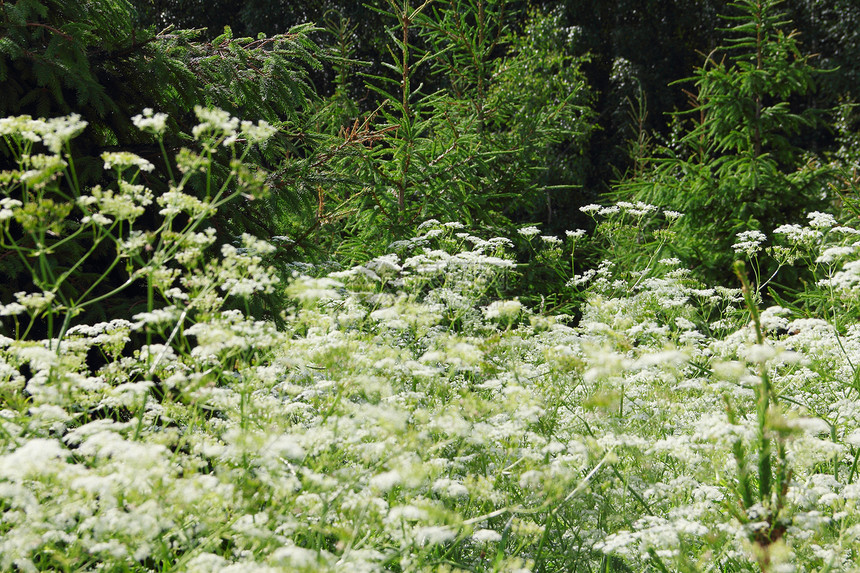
{"x": 749, "y": 242}
{"x": 405, "y": 415}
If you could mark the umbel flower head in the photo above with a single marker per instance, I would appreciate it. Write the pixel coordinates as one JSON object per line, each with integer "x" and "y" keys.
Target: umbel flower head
{"x": 749, "y": 242}
{"x": 222, "y": 126}
{"x": 54, "y": 133}
{"x": 155, "y": 123}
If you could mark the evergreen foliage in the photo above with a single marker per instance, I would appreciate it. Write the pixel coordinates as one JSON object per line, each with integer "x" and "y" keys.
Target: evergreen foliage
{"x": 735, "y": 165}
{"x": 475, "y": 150}
{"x": 50, "y": 51}
{"x": 91, "y": 58}
{"x": 635, "y": 46}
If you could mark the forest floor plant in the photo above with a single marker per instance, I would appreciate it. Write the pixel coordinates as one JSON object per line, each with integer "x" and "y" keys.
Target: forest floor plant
{"x": 405, "y": 418}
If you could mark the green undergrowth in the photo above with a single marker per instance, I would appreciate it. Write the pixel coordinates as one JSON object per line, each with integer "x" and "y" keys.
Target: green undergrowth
{"x": 409, "y": 414}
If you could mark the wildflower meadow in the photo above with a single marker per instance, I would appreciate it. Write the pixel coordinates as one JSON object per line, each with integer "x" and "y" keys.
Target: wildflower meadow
{"x": 405, "y": 413}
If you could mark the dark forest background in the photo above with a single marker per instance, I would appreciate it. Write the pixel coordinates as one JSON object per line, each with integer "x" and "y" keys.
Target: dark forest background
{"x": 493, "y": 113}
{"x": 638, "y": 49}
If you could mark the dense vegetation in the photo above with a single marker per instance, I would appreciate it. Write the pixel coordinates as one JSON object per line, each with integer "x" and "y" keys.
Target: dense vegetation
{"x": 454, "y": 285}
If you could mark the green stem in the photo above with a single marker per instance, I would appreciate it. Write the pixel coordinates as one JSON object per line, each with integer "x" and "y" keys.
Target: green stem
{"x": 98, "y": 281}
{"x": 166, "y": 158}
{"x": 72, "y": 172}
{"x": 856, "y": 455}
{"x": 765, "y": 464}
{"x": 739, "y": 453}
{"x": 62, "y": 278}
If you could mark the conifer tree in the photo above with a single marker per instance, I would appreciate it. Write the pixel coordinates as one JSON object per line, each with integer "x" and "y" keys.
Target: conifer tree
{"x": 476, "y": 150}
{"x": 736, "y": 166}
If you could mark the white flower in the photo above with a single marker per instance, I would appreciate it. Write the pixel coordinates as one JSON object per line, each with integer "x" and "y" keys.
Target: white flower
{"x": 845, "y": 230}
{"x": 216, "y": 122}
{"x": 581, "y": 279}
{"x": 12, "y": 309}
{"x": 846, "y": 279}
{"x": 156, "y": 317}
{"x": 125, "y": 159}
{"x": 853, "y": 439}
{"x": 385, "y": 265}
{"x": 386, "y": 480}
{"x": 35, "y": 301}
{"x": 7, "y": 207}
{"x": 258, "y": 133}
{"x": 529, "y": 231}
{"x": 434, "y": 535}
{"x": 790, "y": 230}
{"x": 639, "y": 210}
{"x": 36, "y": 456}
{"x": 760, "y": 353}
{"x": 819, "y": 220}
{"x": 749, "y": 242}
{"x": 296, "y": 558}
{"x": 133, "y": 244}
{"x": 798, "y": 234}
{"x": 128, "y": 204}
{"x": 592, "y": 208}
{"x": 42, "y": 169}
{"x": 575, "y": 234}
{"x": 206, "y": 563}
{"x": 59, "y": 130}
{"x": 307, "y": 289}
{"x": 17, "y": 125}
{"x": 484, "y": 536}
{"x": 256, "y": 245}
{"x": 503, "y": 309}
{"x": 98, "y": 219}
{"x": 150, "y": 122}
{"x": 450, "y": 488}
{"x": 831, "y": 254}
{"x": 175, "y": 201}
{"x": 429, "y": 224}
{"x": 772, "y": 318}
